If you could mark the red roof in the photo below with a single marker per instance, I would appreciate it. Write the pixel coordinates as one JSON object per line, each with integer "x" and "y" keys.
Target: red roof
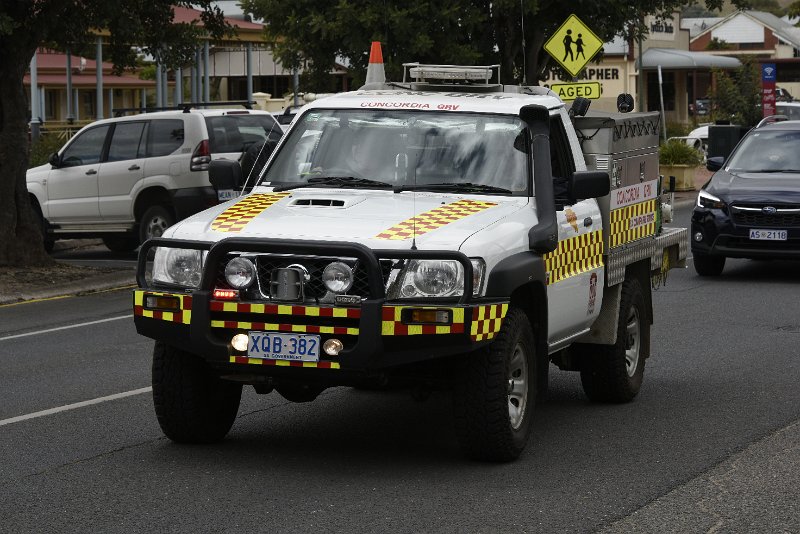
{"x": 90, "y": 80}
{"x": 186, "y": 14}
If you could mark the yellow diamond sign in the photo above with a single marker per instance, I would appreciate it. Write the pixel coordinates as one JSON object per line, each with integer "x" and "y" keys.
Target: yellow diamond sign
{"x": 573, "y": 45}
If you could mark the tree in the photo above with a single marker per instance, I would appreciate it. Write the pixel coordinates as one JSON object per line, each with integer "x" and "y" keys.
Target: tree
{"x": 27, "y": 24}
{"x": 315, "y": 32}
{"x": 738, "y": 94}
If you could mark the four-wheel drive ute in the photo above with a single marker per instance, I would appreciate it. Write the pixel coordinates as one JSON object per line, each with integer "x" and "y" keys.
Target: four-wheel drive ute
{"x": 431, "y": 234}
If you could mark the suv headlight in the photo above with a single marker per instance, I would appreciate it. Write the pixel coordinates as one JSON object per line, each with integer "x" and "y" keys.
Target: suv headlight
{"x": 178, "y": 266}
{"x": 707, "y": 200}
{"x": 435, "y": 278}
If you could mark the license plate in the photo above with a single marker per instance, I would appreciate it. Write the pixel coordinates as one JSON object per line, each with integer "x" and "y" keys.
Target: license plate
{"x": 769, "y": 235}
{"x": 226, "y": 194}
{"x": 274, "y": 346}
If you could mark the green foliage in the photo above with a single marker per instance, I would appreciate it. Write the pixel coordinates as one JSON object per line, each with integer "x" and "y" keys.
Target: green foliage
{"x": 717, "y": 44}
{"x": 677, "y": 129}
{"x": 738, "y": 94}
{"x": 40, "y": 151}
{"x": 677, "y": 152}
{"x": 314, "y": 32}
{"x": 770, "y": 6}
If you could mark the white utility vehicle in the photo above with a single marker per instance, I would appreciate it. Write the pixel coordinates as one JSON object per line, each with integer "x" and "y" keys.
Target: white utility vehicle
{"x": 437, "y": 233}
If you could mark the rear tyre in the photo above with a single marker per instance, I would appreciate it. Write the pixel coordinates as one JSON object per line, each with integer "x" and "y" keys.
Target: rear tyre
{"x": 154, "y": 222}
{"x": 192, "y": 404}
{"x": 120, "y": 243}
{"x": 614, "y": 373}
{"x": 708, "y": 265}
{"x": 495, "y": 393}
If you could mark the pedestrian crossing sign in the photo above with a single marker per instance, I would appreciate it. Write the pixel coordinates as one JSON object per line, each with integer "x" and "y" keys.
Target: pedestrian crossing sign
{"x": 573, "y": 45}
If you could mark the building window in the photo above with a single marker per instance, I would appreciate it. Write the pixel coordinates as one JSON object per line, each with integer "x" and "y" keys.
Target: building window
{"x": 653, "y": 96}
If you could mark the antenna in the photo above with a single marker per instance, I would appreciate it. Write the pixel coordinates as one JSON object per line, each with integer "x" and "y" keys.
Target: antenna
{"x": 524, "y": 54}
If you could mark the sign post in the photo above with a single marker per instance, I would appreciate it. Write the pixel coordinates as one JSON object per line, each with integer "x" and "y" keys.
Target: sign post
{"x": 573, "y": 45}
{"x": 768, "y": 79}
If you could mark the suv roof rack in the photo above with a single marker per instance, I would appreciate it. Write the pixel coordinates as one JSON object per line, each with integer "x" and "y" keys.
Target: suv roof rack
{"x": 771, "y": 119}
{"x": 185, "y": 106}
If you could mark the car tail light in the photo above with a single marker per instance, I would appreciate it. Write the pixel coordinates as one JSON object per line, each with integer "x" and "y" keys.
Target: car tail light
{"x": 201, "y": 156}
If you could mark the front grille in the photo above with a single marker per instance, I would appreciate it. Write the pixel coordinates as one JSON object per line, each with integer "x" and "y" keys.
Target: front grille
{"x": 314, "y": 290}
{"x": 761, "y": 219}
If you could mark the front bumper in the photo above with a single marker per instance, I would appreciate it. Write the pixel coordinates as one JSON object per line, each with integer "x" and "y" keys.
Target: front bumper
{"x": 722, "y": 237}
{"x": 377, "y": 334}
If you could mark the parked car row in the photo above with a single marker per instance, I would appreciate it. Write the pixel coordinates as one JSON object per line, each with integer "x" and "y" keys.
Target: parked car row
{"x": 127, "y": 179}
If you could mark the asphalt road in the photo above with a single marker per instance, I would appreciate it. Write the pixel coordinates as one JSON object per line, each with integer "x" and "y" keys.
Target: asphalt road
{"x": 720, "y": 394}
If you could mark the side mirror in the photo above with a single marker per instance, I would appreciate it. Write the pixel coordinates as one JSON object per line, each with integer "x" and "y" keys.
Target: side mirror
{"x": 715, "y": 163}
{"x": 54, "y": 160}
{"x": 588, "y": 184}
{"x": 225, "y": 174}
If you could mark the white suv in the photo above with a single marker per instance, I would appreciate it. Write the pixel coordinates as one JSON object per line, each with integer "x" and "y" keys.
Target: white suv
{"x": 127, "y": 179}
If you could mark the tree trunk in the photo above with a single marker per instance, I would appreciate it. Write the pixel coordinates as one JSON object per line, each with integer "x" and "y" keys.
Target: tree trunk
{"x": 20, "y": 231}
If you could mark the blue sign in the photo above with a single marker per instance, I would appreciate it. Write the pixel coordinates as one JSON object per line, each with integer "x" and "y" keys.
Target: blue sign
{"x": 768, "y": 72}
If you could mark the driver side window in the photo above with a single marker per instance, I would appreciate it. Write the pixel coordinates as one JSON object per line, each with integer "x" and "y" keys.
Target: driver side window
{"x": 561, "y": 164}
{"x": 86, "y": 148}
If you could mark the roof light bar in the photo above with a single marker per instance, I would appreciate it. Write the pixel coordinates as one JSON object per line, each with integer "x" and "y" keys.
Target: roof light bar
{"x": 420, "y": 72}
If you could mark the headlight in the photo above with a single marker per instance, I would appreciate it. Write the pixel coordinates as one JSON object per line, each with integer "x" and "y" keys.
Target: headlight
{"x": 178, "y": 266}
{"x": 240, "y": 273}
{"x": 707, "y": 200}
{"x": 337, "y": 277}
{"x": 435, "y": 278}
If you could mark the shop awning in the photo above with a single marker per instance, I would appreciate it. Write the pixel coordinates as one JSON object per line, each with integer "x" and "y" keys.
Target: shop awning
{"x": 670, "y": 58}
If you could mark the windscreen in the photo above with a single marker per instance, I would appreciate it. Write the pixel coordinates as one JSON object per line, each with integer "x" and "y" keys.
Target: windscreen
{"x": 405, "y": 148}
{"x": 767, "y": 151}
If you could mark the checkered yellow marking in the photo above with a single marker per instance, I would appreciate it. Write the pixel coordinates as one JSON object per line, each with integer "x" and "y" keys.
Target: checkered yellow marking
{"x": 285, "y": 363}
{"x": 392, "y": 324}
{"x": 237, "y": 216}
{"x": 433, "y": 219}
{"x": 282, "y": 327}
{"x": 183, "y": 315}
{"x": 574, "y": 256}
{"x": 631, "y": 223}
{"x": 486, "y": 321}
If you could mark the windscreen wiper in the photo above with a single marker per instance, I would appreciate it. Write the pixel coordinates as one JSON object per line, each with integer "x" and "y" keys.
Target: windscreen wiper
{"x": 338, "y": 181}
{"x": 464, "y": 186}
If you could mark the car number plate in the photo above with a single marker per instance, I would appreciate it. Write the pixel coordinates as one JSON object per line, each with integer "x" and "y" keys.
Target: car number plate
{"x": 226, "y": 194}
{"x": 768, "y": 235}
{"x": 274, "y": 346}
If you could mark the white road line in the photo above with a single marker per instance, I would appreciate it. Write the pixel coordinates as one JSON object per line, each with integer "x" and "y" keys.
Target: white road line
{"x": 68, "y": 407}
{"x": 16, "y": 336}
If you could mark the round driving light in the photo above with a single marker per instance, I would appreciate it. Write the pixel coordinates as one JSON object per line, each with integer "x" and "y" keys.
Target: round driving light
{"x": 332, "y": 347}
{"x": 239, "y": 342}
{"x": 337, "y": 277}
{"x": 698, "y": 236}
{"x": 240, "y": 273}
{"x": 436, "y": 277}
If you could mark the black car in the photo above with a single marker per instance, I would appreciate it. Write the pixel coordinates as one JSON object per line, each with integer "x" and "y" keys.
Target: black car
{"x": 751, "y": 206}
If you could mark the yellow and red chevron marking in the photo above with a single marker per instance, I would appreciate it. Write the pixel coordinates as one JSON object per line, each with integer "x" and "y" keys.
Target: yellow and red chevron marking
{"x": 285, "y": 327}
{"x": 433, "y": 219}
{"x": 184, "y": 316}
{"x": 574, "y": 256}
{"x": 279, "y": 309}
{"x": 237, "y": 216}
{"x": 486, "y": 321}
{"x": 631, "y": 223}
{"x": 284, "y": 363}
{"x": 392, "y": 324}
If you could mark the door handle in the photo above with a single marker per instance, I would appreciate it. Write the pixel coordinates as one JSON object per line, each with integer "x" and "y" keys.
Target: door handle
{"x": 91, "y": 171}
{"x": 134, "y": 168}
{"x": 587, "y": 221}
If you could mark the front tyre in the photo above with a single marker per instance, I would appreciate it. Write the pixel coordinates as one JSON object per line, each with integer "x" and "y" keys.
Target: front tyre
{"x": 614, "y": 373}
{"x": 192, "y": 404}
{"x": 708, "y": 265}
{"x": 495, "y": 393}
{"x": 155, "y": 220}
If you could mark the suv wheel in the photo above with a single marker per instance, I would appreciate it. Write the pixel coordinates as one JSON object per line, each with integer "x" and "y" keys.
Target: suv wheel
{"x": 708, "y": 265}
{"x": 192, "y": 404}
{"x": 154, "y": 221}
{"x": 495, "y": 393}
